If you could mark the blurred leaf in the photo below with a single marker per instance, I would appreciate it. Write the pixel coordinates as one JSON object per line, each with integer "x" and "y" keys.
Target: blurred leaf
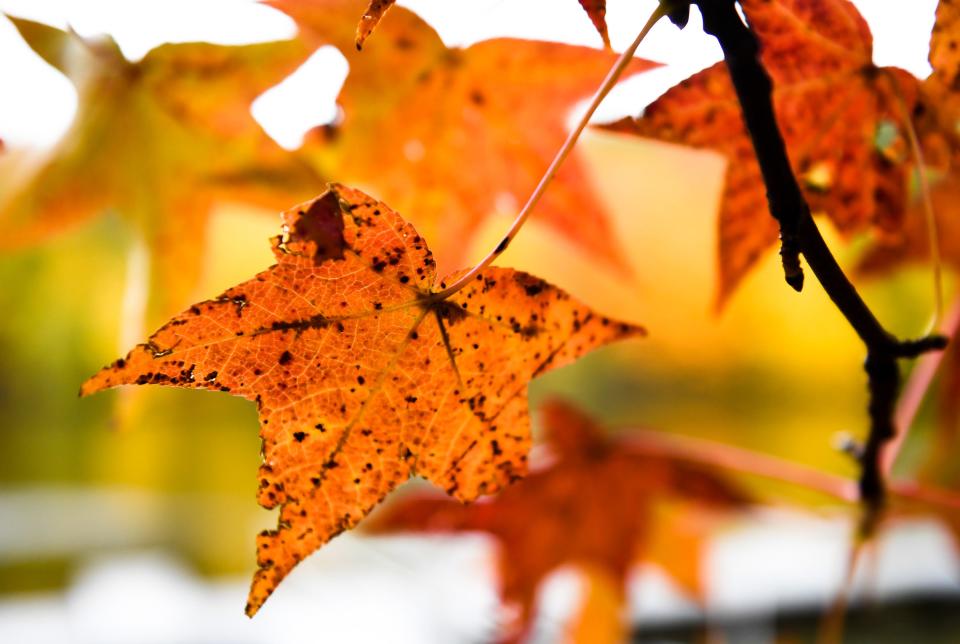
{"x": 830, "y": 101}
{"x": 595, "y": 505}
{"x": 159, "y": 141}
{"x": 452, "y": 135}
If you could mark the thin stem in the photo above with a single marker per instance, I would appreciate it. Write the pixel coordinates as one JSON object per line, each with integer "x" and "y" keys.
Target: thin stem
{"x": 726, "y": 456}
{"x": 932, "y": 496}
{"x": 916, "y": 389}
{"x": 612, "y": 77}
{"x": 933, "y": 237}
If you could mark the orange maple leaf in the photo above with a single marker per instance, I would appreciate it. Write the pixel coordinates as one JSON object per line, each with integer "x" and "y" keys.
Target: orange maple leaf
{"x": 834, "y": 107}
{"x": 594, "y": 506}
{"x": 450, "y": 135}
{"x": 158, "y": 140}
{"x": 945, "y": 58}
{"x": 361, "y": 376}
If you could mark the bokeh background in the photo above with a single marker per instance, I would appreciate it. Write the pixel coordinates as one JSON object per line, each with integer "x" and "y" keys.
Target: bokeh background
{"x": 130, "y": 517}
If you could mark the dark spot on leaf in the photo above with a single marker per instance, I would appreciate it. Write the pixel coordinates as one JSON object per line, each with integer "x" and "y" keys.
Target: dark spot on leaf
{"x": 322, "y": 224}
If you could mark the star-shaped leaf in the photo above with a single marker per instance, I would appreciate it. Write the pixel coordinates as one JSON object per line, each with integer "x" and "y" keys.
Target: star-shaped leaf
{"x": 361, "y": 376}
{"x": 158, "y": 140}
{"x": 452, "y": 135}
{"x": 840, "y": 116}
{"x": 595, "y": 505}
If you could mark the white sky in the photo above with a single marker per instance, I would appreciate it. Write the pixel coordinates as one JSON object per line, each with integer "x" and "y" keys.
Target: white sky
{"x": 37, "y": 103}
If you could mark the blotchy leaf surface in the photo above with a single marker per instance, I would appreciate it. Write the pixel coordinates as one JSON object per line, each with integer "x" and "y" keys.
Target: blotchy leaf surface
{"x": 361, "y": 379}
{"x": 936, "y": 116}
{"x": 451, "y": 135}
{"x": 839, "y": 114}
{"x": 945, "y": 44}
{"x": 593, "y": 506}
{"x": 159, "y": 141}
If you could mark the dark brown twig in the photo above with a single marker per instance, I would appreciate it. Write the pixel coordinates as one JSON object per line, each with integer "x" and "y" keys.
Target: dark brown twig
{"x": 799, "y": 235}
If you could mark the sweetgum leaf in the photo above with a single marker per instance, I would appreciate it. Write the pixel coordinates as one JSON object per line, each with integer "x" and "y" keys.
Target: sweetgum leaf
{"x": 159, "y": 141}
{"x": 936, "y": 119}
{"x": 362, "y": 378}
{"x": 836, "y": 110}
{"x": 451, "y": 135}
{"x": 595, "y": 505}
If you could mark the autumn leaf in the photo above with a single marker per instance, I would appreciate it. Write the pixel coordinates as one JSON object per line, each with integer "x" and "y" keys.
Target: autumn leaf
{"x": 159, "y": 141}
{"x": 595, "y": 505}
{"x": 913, "y": 242}
{"x": 600, "y": 615}
{"x": 840, "y": 116}
{"x": 945, "y": 60}
{"x": 452, "y": 135}
{"x": 361, "y": 376}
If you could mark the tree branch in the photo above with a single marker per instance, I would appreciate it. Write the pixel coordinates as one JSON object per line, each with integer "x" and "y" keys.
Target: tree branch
{"x": 799, "y": 234}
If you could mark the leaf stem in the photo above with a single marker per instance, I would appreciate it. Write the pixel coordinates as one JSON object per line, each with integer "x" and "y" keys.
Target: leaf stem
{"x": 933, "y": 236}
{"x": 612, "y": 77}
{"x": 754, "y": 90}
{"x": 726, "y": 456}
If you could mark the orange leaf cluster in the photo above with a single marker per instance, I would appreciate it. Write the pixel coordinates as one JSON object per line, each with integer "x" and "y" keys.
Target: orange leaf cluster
{"x": 594, "y": 506}
{"x": 362, "y": 378}
{"x": 840, "y": 115}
